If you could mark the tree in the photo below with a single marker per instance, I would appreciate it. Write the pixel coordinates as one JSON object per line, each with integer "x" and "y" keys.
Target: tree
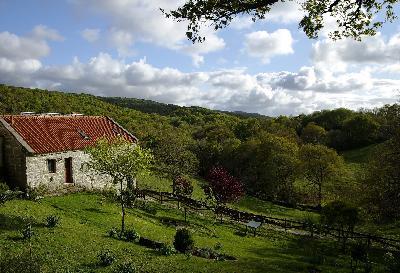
{"x": 319, "y": 164}
{"x": 354, "y": 18}
{"x": 382, "y": 183}
{"x": 223, "y": 187}
{"x": 269, "y": 165}
{"x": 360, "y": 130}
{"x": 341, "y": 216}
{"x": 123, "y": 161}
{"x": 313, "y": 134}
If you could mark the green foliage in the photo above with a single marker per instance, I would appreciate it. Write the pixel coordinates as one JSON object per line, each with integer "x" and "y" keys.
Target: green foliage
{"x": 52, "y": 221}
{"x": 119, "y": 158}
{"x": 392, "y": 262}
{"x": 127, "y": 267}
{"x": 340, "y": 214}
{"x": 106, "y": 257}
{"x": 313, "y": 134}
{"x": 123, "y": 161}
{"x": 112, "y": 232}
{"x": 4, "y": 193}
{"x": 353, "y": 18}
{"x": 27, "y": 232}
{"x": 183, "y": 241}
{"x": 318, "y": 165}
{"x": 166, "y": 250}
{"x": 146, "y": 206}
{"x": 381, "y": 186}
{"x": 360, "y": 130}
{"x": 131, "y": 235}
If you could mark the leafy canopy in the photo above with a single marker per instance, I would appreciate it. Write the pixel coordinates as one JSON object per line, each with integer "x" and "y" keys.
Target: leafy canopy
{"x": 354, "y": 18}
{"x": 119, "y": 158}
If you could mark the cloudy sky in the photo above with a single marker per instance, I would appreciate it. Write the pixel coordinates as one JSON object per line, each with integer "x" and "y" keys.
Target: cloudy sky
{"x": 127, "y": 48}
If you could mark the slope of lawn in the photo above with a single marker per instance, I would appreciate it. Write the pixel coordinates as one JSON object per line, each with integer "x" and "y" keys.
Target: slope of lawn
{"x": 360, "y": 155}
{"x": 85, "y": 219}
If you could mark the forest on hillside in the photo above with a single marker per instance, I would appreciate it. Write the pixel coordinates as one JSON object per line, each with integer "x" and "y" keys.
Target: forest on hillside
{"x": 296, "y": 159}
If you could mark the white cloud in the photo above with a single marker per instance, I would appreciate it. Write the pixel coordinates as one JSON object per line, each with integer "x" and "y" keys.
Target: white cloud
{"x": 264, "y": 45}
{"x": 91, "y": 34}
{"x": 143, "y": 21}
{"x": 340, "y": 55}
{"x": 43, "y": 32}
{"x": 123, "y": 41}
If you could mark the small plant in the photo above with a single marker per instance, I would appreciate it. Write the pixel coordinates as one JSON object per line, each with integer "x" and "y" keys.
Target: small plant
{"x": 392, "y": 262}
{"x": 106, "y": 257}
{"x": 113, "y": 232}
{"x": 183, "y": 240}
{"x": 52, "y": 221}
{"x": 127, "y": 267}
{"x": 131, "y": 235}
{"x": 218, "y": 246}
{"x": 166, "y": 250}
{"x": 27, "y": 232}
{"x": 4, "y": 193}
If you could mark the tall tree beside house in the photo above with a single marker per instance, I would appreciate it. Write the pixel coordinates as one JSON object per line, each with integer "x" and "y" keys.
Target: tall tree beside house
{"x": 123, "y": 161}
{"x": 353, "y": 18}
{"x": 319, "y": 164}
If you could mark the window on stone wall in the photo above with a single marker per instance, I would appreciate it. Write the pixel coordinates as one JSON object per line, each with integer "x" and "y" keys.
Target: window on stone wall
{"x": 51, "y": 165}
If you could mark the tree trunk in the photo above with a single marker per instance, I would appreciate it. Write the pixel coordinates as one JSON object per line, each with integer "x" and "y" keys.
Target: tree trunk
{"x": 122, "y": 211}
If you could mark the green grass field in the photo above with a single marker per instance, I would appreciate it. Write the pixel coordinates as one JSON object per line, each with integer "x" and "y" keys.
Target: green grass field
{"x": 85, "y": 219}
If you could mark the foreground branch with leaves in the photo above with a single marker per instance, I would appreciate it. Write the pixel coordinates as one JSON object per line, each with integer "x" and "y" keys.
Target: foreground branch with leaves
{"x": 354, "y": 18}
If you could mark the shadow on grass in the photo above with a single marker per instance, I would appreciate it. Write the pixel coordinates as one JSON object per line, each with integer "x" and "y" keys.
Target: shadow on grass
{"x": 12, "y": 223}
{"x": 95, "y": 210}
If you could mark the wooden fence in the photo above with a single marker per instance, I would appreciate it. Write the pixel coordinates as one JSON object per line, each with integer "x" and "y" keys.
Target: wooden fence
{"x": 243, "y": 217}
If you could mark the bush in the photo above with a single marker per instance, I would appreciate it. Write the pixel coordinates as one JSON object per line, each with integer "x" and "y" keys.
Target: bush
{"x": 166, "y": 250}
{"x": 218, "y": 246}
{"x": 131, "y": 235}
{"x": 183, "y": 240}
{"x": 145, "y": 206}
{"x": 127, "y": 267}
{"x": 4, "y": 193}
{"x": 36, "y": 193}
{"x": 27, "y": 232}
{"x": 52, "y": 221}
{"x": 106, "y": 257}
{"x": 113, "y": 232}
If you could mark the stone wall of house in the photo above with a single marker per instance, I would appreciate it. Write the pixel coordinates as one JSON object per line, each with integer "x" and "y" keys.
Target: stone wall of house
{"x": 37, "y": 172}
{"x": 13, "y": 159}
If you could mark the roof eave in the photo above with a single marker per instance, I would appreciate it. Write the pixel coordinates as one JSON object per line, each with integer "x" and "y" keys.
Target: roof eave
{"x": 17, "y": 136}
{"x": 122, "y": 128}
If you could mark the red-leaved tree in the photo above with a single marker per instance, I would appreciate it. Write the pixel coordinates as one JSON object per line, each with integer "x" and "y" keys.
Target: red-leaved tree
{"x": 182, "y": 186}
{"x": 222, "y": 186}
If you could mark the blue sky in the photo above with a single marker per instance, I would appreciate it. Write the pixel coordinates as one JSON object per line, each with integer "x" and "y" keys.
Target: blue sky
{"x": 127, "y": 48}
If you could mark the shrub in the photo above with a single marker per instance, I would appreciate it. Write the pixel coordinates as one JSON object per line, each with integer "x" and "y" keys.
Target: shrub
{"x": 4, "y": 193}
{"x": 166, "y": 250}
{"x": 218, "y": 246}
{"x": 131, "y": 235}
{"x": 113, "y": 232}
{"x": 36, "y": 193}
{"x": 183, "y": 240}
{"x": 52, "y": 221}
{"x": 145, "y": 206}
{"x": 182, "y": 186}
{"x": 392, "y": 262}
{"x": 27, "y": 232}
{"x": 106, "y": 257}
{"x": 127, "y": 267}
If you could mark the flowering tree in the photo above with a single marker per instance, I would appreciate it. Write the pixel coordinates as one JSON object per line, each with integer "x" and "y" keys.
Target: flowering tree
{"x": 123, "y": 161}
{"x": 223, "y": 187}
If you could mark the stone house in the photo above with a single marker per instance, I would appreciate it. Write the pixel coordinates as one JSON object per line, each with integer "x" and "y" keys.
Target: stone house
{"x": 48, "y": 149}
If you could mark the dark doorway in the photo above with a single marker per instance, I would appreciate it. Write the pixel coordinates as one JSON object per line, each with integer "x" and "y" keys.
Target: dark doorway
{"x": 68, "y": 170}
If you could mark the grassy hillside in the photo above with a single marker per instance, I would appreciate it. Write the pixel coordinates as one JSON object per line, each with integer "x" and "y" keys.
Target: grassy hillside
{"x": 360, "y": 155}
{"x": 85, "y": 218}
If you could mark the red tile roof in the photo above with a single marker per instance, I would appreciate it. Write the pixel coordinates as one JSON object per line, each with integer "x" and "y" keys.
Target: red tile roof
{"x": 50, "y": 134}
